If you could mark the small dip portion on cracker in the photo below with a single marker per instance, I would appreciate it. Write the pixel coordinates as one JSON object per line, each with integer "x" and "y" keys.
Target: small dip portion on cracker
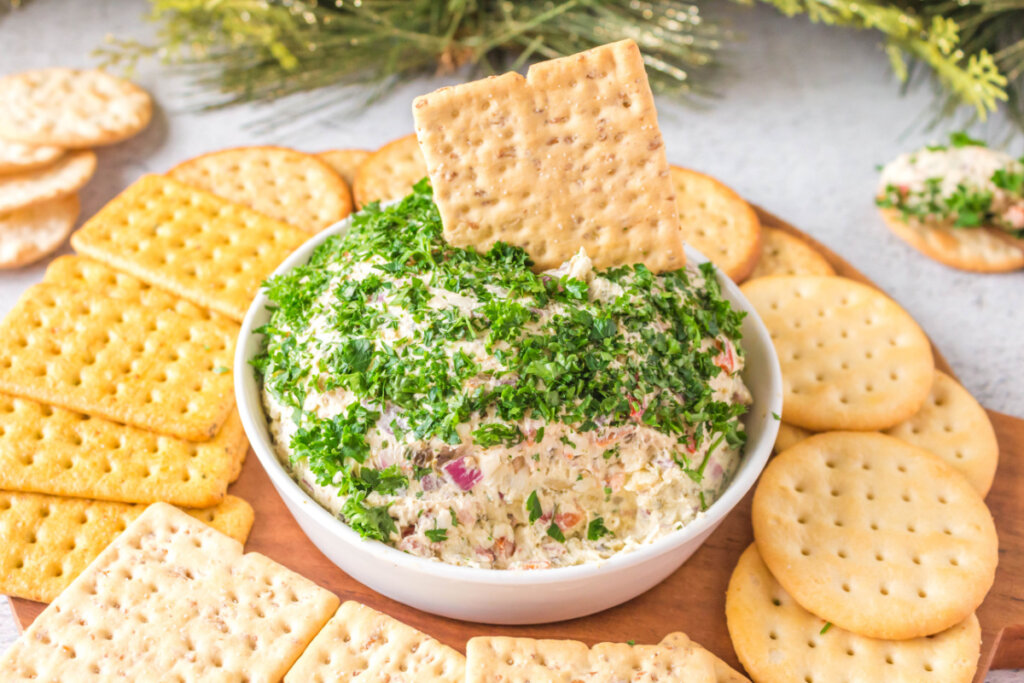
{"x": 570, "y": 157}
{"x": 457, "y": 405}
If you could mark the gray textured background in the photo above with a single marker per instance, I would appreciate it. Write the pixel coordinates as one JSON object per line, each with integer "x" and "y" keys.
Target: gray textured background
{"x": 799, "y": 129}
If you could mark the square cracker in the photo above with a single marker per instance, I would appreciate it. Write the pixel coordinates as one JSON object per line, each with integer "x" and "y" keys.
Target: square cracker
{"x": 152, "y": 369}
{"x": 50, "y": 450}
{"x": 189, "y": 242}
{"x": 569, "y": 157}
{"x": 172, "y": 599}
{"x": 46, "y": 541}
{"x": 520, "y": 660}
{"x": 362, "y": 644}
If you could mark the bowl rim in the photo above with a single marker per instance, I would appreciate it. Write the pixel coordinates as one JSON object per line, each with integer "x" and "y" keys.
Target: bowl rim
{"x": 256, "y": 427}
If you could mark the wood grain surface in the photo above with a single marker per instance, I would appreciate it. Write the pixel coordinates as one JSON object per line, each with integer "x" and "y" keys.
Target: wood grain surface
{"x": 693, "y": 598}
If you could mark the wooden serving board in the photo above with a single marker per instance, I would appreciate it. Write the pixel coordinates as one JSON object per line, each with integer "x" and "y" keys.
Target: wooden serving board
{"x": 693, "y": 598}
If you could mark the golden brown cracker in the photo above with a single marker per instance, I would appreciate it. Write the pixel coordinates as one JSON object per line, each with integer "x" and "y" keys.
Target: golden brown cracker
{"x": 390, "y": 172}
{"x": 784, "y": 254}
{"x": 41, "y": 185}
{"x": 346, "y": 162}
{"x": 879, "y": 537}
{"x": 789, "y": 435}
{"x": 188, "y": 242}
{"x": 723, "y": 672}
{"x": 717, "y": 222}
{"x": 46, "y": 541}
{"x": 173, "y": 599}
{"x": 27, "y": 235}
{"x": 285, "y": 184}
{"x": 778, "y": 641}
{"x": 851, "y": 358}
{"x": 152, "y": 369}
{"x": 570, "y": 157}
{"x": 981, "y": 250}
{"x": 16, "y": 157}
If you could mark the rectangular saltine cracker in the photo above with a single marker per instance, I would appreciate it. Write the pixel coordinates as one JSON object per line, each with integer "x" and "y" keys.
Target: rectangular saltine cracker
{"x": 46, "y": 541}
{"x": 174, "y": 600}
{"x": 189, "y": 242}
{"x": 149, "y": 368}
{"x": 50, "y": 450}
{"x": 364, "y": 645}
{"x": 521, "y": 660}
{"x": 569, "y": 157}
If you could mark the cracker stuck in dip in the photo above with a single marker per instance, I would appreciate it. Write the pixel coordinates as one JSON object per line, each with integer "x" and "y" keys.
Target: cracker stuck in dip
{"x": 459, "y": 406}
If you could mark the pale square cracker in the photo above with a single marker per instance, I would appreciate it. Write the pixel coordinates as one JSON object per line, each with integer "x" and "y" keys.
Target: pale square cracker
{"x": 152, "y": 369}
{"x": 789, "y": 435}
{"x": 877, "y": 536}
{"x": 71, "y": 107}
{"x": 521, "y": 660}
{"x": 569, "y": 157}
{"x": 50, "y": 450}
{"x": 28, "y": 188}
{"x": 784, "y": 254}
{"x": 46, "y": 541}
{"x": 346, "y": 162}
{"x": 975, "y": 249}
{"x": 362, "y": 644}
{"x": 189, "y": 242}
{"x": 172, "y": 599}
{"x": 717, "y": 222}
{"x": 81, "y": 272}
{"x": 851, "y": 358}
{"x": 282, "y": 183}
{"x": 390, "y": 172}
{"x": 953, "y": 425}
{"x": 778, "y": 641}
{"x": 17, "y": 156}
{"x": 27, "y": 235}
{"x": 723, "y": 672}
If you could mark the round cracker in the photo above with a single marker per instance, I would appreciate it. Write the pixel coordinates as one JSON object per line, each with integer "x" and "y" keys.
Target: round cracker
{"x": 26, "y": 235}
{"x": 879, "y": 537}
{"x": 789, "y": 435}
{"x": 71, "y": 107}
{"x": 717, "y": 222}
{"x": 66, "y": 176}
{"x": 980, "y": 250}
{"x": 16, "y": 157}
{"x": 953, "y": 425}
{"x": 285, "y": 184}
{"x": 345, "y": 162}
{"x": 778, "y": 641}
{"x": 784, "y": 254}
{"x": 851, "y": 358}
{"x": 390, "y": 172}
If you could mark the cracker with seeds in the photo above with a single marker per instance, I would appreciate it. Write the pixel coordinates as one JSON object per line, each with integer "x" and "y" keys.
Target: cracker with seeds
{"x": 17, "y": 156}
{"x": 285, "y": 184}
{"x": 175, "y": 597}
{"x": 46, "y": 541}
{"x": 390, "y": 172}
{"x": 188, "y": 242}
{"x": 153, "y": 369}
{"x": 981, "y": 250}
{"x": 953, "y": 425}
{"x": 723, "y": 672}
{"x": 784, "y": 254}
{"x": 55, "y": 451}
{"x": 717, "y": 222}
{"x": 361, "y": 644}
{"x": 879, "y": 537}
{"x": 778, "y": 641}
{"x": 346, "y": 162}
{"x": 62, "y": 178}
{"x": 520, "y": 660}
{"x": 851, "y": 358}
{"x": 27, "y": 235}
{"x": 570, "y": 157}
{"x": 71, "y": 107}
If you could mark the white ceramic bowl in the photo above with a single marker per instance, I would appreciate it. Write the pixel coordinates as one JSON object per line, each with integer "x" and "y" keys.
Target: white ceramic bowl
{"x": 510, "y": 596}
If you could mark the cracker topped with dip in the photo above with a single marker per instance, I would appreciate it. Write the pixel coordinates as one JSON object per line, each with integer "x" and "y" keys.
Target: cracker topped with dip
{"x": 499, "y": 405}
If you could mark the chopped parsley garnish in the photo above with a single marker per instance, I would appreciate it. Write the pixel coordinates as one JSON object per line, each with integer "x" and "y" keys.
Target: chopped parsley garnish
{"x": 596, "y": 529}
{"x": 825, "y": 628}
{"x": 455, "y": 518}
{"x": 776, "y": 415}
{"x": 533, "y": 507}
{"x": 220, "y": 370}
{"x": 437, "y": 535}
{"x": 555, "y": 532}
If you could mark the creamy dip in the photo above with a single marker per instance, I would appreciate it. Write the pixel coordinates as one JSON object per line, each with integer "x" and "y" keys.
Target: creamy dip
{"x": 459, "y": 406}
{"x": 965, "y": 184}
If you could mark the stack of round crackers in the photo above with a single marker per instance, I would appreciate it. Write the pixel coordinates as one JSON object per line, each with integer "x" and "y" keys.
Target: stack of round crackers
{"x": 49, "y": 120}
{"x": 873, "y": 544}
